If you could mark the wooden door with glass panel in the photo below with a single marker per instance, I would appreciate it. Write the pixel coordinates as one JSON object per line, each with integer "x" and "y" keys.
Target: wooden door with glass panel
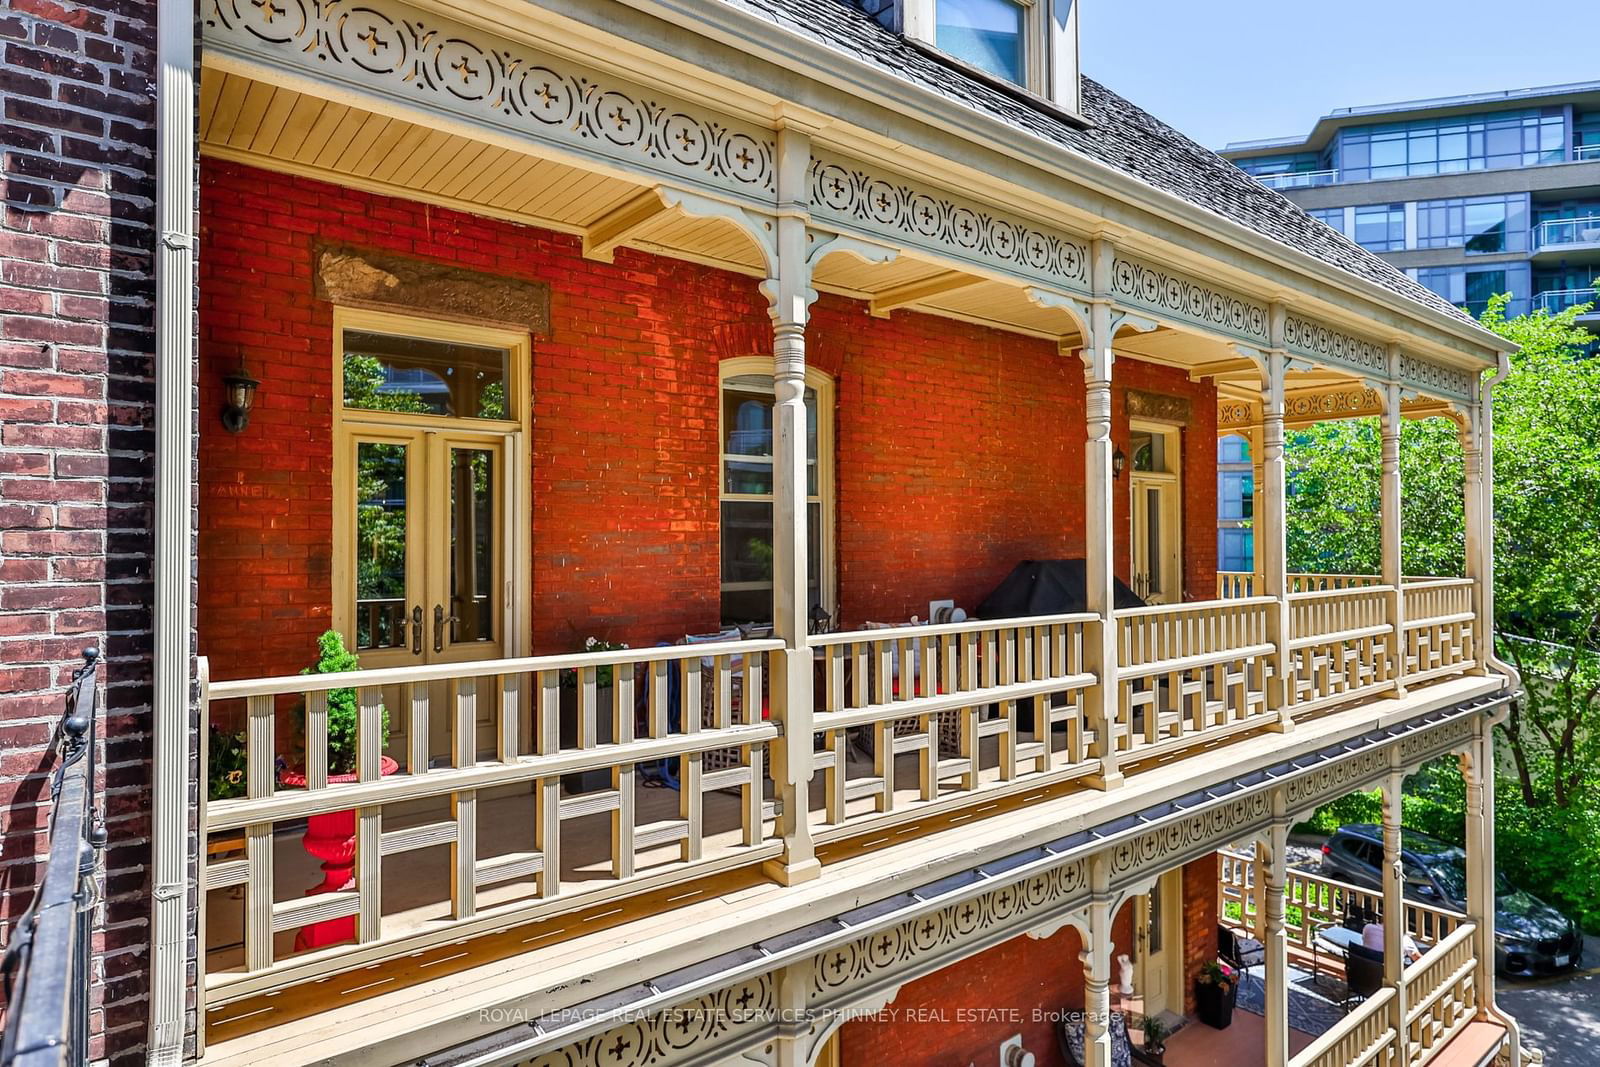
{"x": 429, "y": 446}
{"x": 1157, "y": 571}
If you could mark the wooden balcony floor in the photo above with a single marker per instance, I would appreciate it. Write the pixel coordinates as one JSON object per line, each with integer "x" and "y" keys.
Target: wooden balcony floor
{"x": 400, "y": 1008}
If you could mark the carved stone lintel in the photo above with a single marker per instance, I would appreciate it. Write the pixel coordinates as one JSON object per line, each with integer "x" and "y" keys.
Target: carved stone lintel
{"x": 1142, "y": 405}
{"x": 359, "y": 277}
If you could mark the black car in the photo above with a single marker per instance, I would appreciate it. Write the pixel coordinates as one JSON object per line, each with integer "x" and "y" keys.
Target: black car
{"x": 1530, "y": 936}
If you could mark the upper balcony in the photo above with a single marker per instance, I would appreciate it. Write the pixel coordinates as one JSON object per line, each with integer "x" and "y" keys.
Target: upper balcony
{"x": 1299, "y": 179}
{"x": 1573, "y": 240}
{"x": 1555, "y": 301}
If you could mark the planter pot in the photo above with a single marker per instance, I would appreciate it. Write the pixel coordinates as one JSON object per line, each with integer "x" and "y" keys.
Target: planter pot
{"x": 600, "y": 777}
{"x": 331, "y": 838}
{"x": 1214, "y": 1004}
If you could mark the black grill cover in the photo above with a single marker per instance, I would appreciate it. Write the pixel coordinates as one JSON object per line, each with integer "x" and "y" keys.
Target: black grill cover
{"x": 1046, "y": 587}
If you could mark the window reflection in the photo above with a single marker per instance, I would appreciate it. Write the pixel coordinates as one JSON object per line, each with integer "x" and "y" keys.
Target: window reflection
{"x": 418, "y": 376}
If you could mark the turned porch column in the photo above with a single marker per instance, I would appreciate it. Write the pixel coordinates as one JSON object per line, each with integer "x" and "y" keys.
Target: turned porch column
{"x": 1479, "y": 531}
{"x": 1100, "y": 595}
{"x": 791, "y": 295}
{"x": 1392, "y": 570}
{"x": 1394, "y": 905}
{"x": 1273, "y": 852}
{"x": 1272, "y": 544}
{"x": 1096, "y": 958}
{"x": 1477, "y": 773}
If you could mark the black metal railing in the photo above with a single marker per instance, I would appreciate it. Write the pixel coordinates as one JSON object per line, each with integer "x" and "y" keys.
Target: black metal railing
{"x": 46, "y": 967}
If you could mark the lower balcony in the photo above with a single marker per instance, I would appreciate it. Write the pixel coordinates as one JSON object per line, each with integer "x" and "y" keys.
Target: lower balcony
{"x": 523, "y": 817}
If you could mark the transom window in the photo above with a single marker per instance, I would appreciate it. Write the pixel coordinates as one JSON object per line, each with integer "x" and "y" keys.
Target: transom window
{"x": 747, "y": 483}
{"x": 988, "y": 34}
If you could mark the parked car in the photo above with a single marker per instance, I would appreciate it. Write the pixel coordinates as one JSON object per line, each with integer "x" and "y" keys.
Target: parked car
{"x": 1530, "y": 936}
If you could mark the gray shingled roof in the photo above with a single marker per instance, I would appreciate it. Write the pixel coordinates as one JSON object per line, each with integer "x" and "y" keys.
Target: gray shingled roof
{"x": 1120, "y": 135}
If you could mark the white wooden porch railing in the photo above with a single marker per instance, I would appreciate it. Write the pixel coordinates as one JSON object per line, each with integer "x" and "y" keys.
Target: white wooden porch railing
{"x": 1341, "y": 644}
{"x": 1232, "y": 584}
{"x": 1318, "y": 902}
{"x": 1185, "y": 669}
{"x": 1439, "y": 628}
{"x": 1441, "y": 998}
{"x": 955, "y": 695}
{"x": 516, "y": 703}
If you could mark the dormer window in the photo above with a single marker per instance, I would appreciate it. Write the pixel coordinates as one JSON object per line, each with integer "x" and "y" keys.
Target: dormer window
{"x": 988, "y": 34}
{"x": 1031, "y": 45}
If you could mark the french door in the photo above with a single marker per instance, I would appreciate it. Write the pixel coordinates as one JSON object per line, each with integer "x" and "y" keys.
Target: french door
{"x": 1158, "y": 916}
{"x": 1155, "y": 514}
{"x": 429, "y": 561}
{"x": 430, "y": 502}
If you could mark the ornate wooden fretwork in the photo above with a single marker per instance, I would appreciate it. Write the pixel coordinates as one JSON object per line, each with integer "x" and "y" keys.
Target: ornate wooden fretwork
{"x": 1159, "y": 406}
{"x": 1302, "y": 336}
{"x": 401, "y": 52}
{"x": 905, "y": 210}
{"x": 675, "y": 1033}
{"x": 1331, "y": 404}
{"x": 1235, "y": 413}
{"x": 1170, "y": 294}
{"x": 1429, "y": 377}
{"x": 1012, "y": 907}
{"x": 1187, "y": 837}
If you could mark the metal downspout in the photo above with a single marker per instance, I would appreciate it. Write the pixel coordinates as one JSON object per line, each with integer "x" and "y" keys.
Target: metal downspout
{"x": 173, "y": 569}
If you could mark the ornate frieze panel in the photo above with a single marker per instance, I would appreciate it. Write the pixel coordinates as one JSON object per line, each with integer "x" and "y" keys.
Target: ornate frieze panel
{"x": 1235, "y": 414}
{"x": 911, "y": 212}
{"x": 918, "y": 943}
{"x": 1331, "y": 404}
{"x": 1169, "y": 294}
{"x": 420, "y": 60}
{"x": 1160, "y": 406}
{"x": 1326, "y": 345}
{"x": 1435, "y": 378}
{"x": 1186, "y": 837}
{"x": 675, "y": 1033}
{"x": 1422, "y": 745}
{"x": 1337, "y": 778}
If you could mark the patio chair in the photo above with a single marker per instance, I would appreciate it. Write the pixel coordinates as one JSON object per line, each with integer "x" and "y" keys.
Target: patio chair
{"x": 1069, "y": 1035}
{"x": 1363, "y": 975}
{"x": 1239, "y": 951}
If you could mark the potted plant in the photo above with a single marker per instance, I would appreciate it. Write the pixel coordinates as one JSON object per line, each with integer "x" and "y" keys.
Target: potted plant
{"x": 225, "y": 765}
{"x": 1215, "y": 991}
{"x": 599, "y": 778}
{"x": 331, "y": 836}
{"x": 1155, "y": 1040}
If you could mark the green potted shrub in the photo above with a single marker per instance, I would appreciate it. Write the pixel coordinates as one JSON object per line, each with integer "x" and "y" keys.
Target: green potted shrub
{"x": 331, "y": 836}
{"x": 1215, "y": 991}
{"x": 1155, "y": 1040}
{"x": 225, "y": 764}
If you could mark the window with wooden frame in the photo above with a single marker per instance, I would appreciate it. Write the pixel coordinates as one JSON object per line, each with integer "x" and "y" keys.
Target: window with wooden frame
{"x": 1156, "y": 512}
{"x": 430, "y": 505}
{"x": 745, "y": 488}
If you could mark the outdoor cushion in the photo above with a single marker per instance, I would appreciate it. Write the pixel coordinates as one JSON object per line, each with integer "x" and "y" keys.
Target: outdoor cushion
{"x": 1071, "y": 1036}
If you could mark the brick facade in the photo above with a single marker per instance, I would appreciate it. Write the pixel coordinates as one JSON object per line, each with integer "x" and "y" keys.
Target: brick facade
{"x": 76, "y": 292}
{"x": 962, "y": 1013}
{"x": 959, "y": 448}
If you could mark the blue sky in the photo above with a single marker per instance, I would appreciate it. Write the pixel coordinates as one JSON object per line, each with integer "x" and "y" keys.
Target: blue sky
{"x": 1235, "y": 70}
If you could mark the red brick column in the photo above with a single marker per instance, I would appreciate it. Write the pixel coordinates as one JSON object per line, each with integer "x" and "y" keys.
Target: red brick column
{"x": 75, "y": 387}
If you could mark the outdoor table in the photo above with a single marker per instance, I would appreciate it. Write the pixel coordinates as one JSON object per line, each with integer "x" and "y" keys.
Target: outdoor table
{"x": 1337, "y": 940}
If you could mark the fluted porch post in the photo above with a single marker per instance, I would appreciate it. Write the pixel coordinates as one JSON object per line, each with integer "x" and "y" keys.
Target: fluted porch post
{"x": 1274, "y": 849}
{"x": 1272, "y": 545}
{"x": 1394, "y": 905}
{"x": 1392, "y": 571}
{"x": 1096, "y": 958}
{"x": 790, "y": 295}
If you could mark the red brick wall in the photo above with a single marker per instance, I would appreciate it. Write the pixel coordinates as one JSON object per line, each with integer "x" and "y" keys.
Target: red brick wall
{"x": 1199, "y": 921}
{"x": 76, "y": 291}
{"x": 959, "y": 448}
{"x": 961, "y": 1014}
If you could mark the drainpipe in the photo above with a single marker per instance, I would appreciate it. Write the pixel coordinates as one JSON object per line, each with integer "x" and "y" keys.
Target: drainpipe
{"x": 173, "y": 568}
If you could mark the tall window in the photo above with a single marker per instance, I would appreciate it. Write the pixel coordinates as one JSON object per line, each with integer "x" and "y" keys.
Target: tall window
{"x": 1472, "y": 289}
{"x": 1381, "y": 227}
{"x": 1453, "y": 145}
{"x": 747, "y": 485}
{"x": 1478, "y": 224}
{"x": 1236, "y": 493}
{"x": 988, "y": 34}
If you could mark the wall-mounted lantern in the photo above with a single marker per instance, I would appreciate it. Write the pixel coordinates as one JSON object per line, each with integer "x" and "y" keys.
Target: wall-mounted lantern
{"x": 1119, "y": 460}
{"x": 238, "y": 397}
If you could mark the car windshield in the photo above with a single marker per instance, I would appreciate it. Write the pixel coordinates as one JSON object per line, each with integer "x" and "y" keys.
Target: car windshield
{"x": 1450, "y": 871}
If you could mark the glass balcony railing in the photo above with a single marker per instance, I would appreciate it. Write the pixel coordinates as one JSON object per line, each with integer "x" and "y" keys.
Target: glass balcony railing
{"x": 1558, "y": 300}
{"x": 1303, "y": 179}
{"x": 1580, "y": 231}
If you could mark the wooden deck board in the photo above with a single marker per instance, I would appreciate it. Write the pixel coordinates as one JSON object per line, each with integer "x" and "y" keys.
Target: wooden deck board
{"x": 455, "y": 993}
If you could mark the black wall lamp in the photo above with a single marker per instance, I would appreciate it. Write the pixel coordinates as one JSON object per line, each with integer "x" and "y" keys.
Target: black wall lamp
{"x": 1119, "y": 460}
{"x": 238, "y": 397}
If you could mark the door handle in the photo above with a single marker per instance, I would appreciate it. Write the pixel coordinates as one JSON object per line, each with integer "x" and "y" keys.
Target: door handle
{"x": 416, "y": 630}
{"x": 439, "y": 619}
